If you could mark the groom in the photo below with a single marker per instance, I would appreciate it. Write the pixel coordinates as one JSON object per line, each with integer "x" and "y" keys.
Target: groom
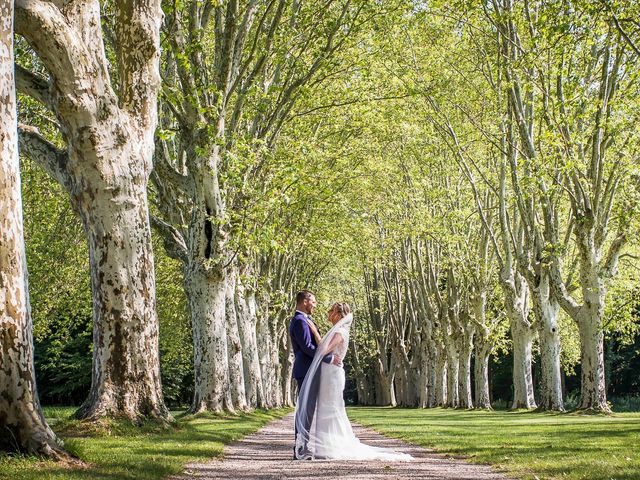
{"x": 304, "y": 348}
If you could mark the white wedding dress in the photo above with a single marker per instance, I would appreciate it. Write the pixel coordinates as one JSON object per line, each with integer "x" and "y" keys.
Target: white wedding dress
{"x": 326, "y": 432}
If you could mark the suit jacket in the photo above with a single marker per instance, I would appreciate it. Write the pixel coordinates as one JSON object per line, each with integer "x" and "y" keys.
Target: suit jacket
{"x": 304, "y": 346}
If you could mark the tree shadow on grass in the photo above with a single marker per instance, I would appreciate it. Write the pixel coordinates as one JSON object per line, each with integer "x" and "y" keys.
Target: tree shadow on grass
{"x": 120, "y": 450}
{"x": 551, "y": 444}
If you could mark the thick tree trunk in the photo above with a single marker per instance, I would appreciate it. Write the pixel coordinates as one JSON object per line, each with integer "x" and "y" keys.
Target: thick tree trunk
{"x": 424, "y": 386}
{"x": 522, "y": 336}
{"x": 404, "y": 381}
{"x": 377, "y": 389}
{"x": 593, "y": 392}
{"x": 255, "y": 370}
{"x": 546, "y": 309}
{"x": 398, "y": 387}
{"x": 206, "y": 293}
{"x": 464, "y": 374}
{"x": 110, "y": 142}
{"x": 361, "y": 390}
{"x": 267, "y": 368}
{"x": 589, "y": 318}
{"x": 452, "y": 372}
{"x": 126, "y": 363}
{"x": 366, "y": 395}
{"x": 483, "y": 349}
{"x": 386, "y": 391}
{"x": 247, "y": 321}
{"x": 432, "y": 376}
{"x": 415, "y": 374}
{"x": 109, "y": 192}
{"x": 364, "y": 387}
{"x": 516, "y": 297}
{"x": 22, "y": 424}
{"x": 441, "y": 375}
{"x": 234, "y": 346}
{"x": 286, "y": 376}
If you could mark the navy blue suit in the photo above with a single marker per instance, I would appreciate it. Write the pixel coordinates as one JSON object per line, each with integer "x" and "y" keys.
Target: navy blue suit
{"x": 304, "y": 346}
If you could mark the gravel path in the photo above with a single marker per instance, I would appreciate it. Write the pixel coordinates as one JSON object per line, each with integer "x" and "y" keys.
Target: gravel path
{"x": 267, "y": 454}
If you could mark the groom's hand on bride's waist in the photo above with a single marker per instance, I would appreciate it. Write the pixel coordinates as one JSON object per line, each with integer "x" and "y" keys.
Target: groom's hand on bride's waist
{"x": 336, "y": 360}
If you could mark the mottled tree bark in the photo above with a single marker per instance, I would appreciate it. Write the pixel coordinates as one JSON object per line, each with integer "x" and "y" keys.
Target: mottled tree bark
{"x": 452, "y": 339}
{"x": 546, "y": 309}
{"x": 427, "y": 365}
{"x": 105, "y": 169}
{"x": 247, "y": 322}
{"x": 22, "y": 425}
{"x": 522, "y": 336}
{"x": 126, "y": 366}
{"x": 206, "y": 293}
{"x": 481, "y": 373}
{"x": 483, "y": 345}
{"x": 441, "y": 392}
{"x": 284, "y": 376}
{"x": 432, "y": 378}
{"x": 266, "y": 346}
{"x": 589, "y": 318}
{"x": 405, "y": 386}
{"x": 386, "y": 391}
{"x": 464, "y": 373}
{"x": 452, "y": 371}
{"x": 234, "y": 345}
{"x": 593, "y": 390}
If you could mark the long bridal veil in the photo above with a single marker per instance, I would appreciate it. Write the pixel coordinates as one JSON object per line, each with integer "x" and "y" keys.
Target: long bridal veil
{"x": 322, "y": 426}
{"x": 306, "y": 425}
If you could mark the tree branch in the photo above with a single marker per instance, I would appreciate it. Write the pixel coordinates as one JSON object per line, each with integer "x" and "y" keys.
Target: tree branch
{"x": 621, "y": 30}
{"x": 173, "y": 240}
{"x": 613, "y": 255}
{"x": 59, "y": 46}
{"x": 162, "y": 164}
{"x": 561, "y": 294}
{"x": 53, "y": 159}
{"x": 34, "y": 86}
{"x": 137, "y": 31}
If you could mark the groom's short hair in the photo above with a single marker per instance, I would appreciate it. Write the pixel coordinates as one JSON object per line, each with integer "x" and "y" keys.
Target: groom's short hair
{"x": 303, "y": 295}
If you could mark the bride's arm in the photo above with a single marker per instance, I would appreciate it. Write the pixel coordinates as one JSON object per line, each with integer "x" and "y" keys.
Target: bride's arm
{"x": 336, "y": 341}
{"x": 327, "y": 357}
{"x": 314, "y": 331}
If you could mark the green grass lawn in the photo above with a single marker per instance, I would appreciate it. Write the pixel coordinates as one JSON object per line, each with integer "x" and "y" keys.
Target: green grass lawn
{"x": 117, "y": 450}
{"x": 526, "y": 445}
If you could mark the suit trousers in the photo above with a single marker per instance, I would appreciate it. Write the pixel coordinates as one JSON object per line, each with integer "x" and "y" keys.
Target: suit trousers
{"x": 311, "y": 404}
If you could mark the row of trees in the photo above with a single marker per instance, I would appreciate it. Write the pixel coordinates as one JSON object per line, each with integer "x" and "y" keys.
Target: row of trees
{"x": 532, "y": 106}
{"x": 465, "y": 176}
{"x": 96, "y": 87}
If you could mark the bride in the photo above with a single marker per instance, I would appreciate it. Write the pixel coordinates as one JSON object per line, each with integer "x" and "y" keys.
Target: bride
{"x": 330, "y": 434}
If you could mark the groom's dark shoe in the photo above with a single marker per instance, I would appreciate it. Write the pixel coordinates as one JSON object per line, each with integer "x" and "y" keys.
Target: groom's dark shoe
{"x": 304, "y": 455}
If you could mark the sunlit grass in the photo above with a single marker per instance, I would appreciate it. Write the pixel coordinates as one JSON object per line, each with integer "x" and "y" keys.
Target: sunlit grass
{"x": 120, "y": 450}
{"x": 526, "y": 445}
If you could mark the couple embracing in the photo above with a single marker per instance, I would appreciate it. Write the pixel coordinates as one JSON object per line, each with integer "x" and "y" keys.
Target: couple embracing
{"x": 321, "y": 425}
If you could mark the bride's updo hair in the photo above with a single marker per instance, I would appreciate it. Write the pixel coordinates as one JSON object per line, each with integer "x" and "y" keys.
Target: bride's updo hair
{"x": 341, "y": 308}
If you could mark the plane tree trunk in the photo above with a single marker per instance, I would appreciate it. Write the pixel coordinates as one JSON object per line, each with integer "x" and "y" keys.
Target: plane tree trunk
{"x": 105, "y": 169}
